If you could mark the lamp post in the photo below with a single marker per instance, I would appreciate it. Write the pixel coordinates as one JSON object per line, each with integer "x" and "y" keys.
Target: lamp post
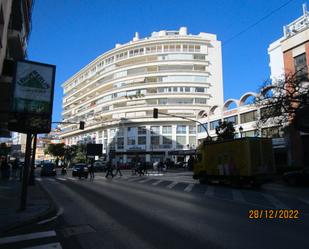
{"x": 241, "y": 130}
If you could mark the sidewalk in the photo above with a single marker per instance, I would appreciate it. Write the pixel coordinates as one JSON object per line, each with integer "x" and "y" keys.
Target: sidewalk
{"x": 39, "y": 205}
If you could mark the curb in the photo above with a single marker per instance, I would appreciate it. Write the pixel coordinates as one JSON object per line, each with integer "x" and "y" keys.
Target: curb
{"x": 52, "y": 208}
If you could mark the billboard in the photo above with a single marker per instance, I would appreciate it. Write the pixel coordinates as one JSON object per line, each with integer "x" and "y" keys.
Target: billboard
{"x": 94, "y": 149}
{"x": 32, "y": 97}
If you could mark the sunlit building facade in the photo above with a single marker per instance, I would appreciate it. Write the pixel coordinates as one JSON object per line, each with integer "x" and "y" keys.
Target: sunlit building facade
{"x": 176, "y": 72}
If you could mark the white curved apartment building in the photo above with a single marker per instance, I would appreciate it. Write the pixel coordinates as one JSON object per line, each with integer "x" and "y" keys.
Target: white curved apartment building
{"x": 115, "y": 94}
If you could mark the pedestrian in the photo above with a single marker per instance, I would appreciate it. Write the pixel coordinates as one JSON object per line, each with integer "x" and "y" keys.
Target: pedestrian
{"x": 118, "y": 169}
{"x": 109, "y": 169}
{"x": 91, "y": 170}
{"x": 191, "y": 163}
{"x": 15, "y": 167}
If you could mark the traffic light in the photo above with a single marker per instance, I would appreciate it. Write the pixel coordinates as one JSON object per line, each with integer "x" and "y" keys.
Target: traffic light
{"x": 81, "y": 125}
{"x": 155, "y": 112}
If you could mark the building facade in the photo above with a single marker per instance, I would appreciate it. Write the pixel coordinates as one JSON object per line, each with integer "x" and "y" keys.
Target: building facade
{"x": 290, "y": 55}
{"x": 15, "y": 26}
{"x": 176, "y": 72}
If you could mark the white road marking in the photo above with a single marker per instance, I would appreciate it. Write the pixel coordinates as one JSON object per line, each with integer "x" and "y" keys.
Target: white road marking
{"x": 189, "y": 187}
{"x": 72, "y": 178}
{"x": 275, "y": 202}
{"x": 237, "y": 196}
{"x": 170, "y": 186}
{"x": 133, "y": 179}
{"x": 29, "y": 236}
{"x": 157, "y": 182}
{"x": 210, "y": 191}
{"x": 62, "y": 179}
{"x": 145, "y": 180}
{"x": 38, "y": 179}
{"x": 100, "y": 177}
{"x": 50, "y": 179}
{"x": 46, "y": 246}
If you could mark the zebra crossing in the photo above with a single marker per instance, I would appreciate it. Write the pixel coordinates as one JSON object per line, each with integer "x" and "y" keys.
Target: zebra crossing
{"x": 32, "y": 240}
{"x": 241, "y": 196}
{"x": 187, "y": 185}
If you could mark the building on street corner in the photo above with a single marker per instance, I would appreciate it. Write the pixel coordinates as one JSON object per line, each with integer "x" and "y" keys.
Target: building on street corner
{"x": 15, "y": 27}
{"x": 115, "y": 94}
{"x": 288, "y": 55}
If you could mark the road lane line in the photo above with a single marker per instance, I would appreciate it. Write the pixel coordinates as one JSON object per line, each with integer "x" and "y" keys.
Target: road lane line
{"x": 275, "y": 202}
{"x": 238, "y": 196}
{"x": 157, "y": 182}
{"x": 62, "y": 179}
{"x": 146, "y": 180}
{"x": 189, "y": 187}
{"x": 51, "y": 180}
{"x": 38, "y": 179}
{"x": 72, "y": 178}
{"x": 46, "y": 246}
{"x": 133, "y": 179}
{"x": 210, "y": 191}
{"x": 29, "y": 236}
{"x": 171, "y": 185}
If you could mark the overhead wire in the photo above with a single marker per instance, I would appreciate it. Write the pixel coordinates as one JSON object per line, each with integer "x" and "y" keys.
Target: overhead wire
{"x": 257, "y": 22}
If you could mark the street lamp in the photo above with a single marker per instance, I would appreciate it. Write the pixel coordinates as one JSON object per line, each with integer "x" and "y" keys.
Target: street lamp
{"x": 241, "y": 130}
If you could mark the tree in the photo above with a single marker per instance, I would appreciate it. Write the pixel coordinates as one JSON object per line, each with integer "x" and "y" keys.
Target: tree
{"x": 56, "y": 150}
{"x": 284, "y": 102}
{"x": 225, "y": 130}
{"x": 80, "y": 156}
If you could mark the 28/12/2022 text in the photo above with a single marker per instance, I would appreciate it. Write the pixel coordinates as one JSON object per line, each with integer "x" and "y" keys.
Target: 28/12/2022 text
{"x": 274, "y": 214}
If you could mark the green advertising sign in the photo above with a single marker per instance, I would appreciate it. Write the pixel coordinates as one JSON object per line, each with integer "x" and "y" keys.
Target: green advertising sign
{"x": 32, "y": 97}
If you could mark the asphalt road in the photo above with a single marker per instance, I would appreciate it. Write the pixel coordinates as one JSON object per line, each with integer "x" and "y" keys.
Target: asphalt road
{"x": 149, "y": 212}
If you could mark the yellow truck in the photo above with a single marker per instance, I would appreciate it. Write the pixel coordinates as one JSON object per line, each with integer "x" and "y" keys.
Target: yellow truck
{"x": 237, "y": 162}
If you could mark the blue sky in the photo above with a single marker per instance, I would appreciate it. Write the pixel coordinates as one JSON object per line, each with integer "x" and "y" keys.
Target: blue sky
{"x": 71, "y": 33}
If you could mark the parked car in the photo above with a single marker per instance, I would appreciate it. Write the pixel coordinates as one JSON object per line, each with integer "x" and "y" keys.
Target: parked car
{"x": 48, "y": 169}
{"x": 99, "y": 166}
{"x": 297, "y": 177}
{"x": 80, "y": 170}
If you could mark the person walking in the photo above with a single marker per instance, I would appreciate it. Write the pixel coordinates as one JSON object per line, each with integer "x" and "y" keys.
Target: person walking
{"x": 91, "y": 170}
{"x": 118, "y": 169}
{"x": 109, "y": 169}
{"x": 15, "y": 167}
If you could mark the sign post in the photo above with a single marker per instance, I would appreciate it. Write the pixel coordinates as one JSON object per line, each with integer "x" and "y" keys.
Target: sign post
{"x": 31, "y": 107}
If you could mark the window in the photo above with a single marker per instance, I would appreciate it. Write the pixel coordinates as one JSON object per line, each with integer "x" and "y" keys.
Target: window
{"x": 232, "y": 119}
{"x": 192, "y": 141}
{"x": 202, "y": 101}
{"x": 214, "y": 124}
{"x": 248, "y": 133}
{"x": 120, "y": 132}
{"x": 201, "y": 129}
{"x": 141, "y": 140}
{"x": 155, "y": 130}
{"x": 120, "y": 143}
{"x": 167, "y": 130}
{"x": 155, "y": 141}
{"x": 199, "y": 89}
{"x": 167, "y": 140}
{"x": 181, "y": 129}
{"x": 142, "y": 130}
{"x": 192, "y": 129}
{"x": 180, "y": 142}
{"x": 300, "y": 63}
{"x": 131, "y": 141}
{"x": 199, "y": 57}
{"x": 247, "y": 117}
